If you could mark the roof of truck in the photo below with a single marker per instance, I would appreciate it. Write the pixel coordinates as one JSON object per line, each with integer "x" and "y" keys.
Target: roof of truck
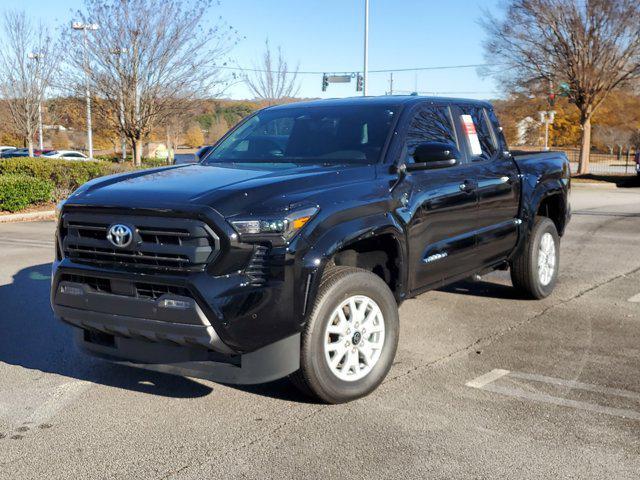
{"x": 383, "y": 100}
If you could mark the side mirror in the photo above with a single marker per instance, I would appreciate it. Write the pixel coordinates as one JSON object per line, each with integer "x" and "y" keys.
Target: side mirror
{"x": 431, "y": 155}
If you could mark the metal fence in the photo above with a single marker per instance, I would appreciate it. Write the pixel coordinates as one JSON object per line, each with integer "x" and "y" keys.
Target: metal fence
{"x": 621, "y": 163}
{"x": 618, "y": 163}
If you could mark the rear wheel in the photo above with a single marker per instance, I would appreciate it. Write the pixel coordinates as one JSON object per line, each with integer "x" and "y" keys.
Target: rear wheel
{"x": 535, "y": 271}
{"x": 350, "y": 338}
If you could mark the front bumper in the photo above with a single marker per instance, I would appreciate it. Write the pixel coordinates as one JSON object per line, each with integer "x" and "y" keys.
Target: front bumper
{"x": 143, "y": 333}
{"x": 222, "y": 322}
{"x": 269, "y": 363}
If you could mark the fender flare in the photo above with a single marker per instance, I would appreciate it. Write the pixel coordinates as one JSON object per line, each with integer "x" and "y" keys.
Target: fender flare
{"x": 341, "y": 236}
{"x": 535, "y": 191}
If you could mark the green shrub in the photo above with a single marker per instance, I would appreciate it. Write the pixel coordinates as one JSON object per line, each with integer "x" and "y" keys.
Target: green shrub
{"x": 65, "y": 175}
{"x": 155, "y": 162}
{"x": 17, "y": 192}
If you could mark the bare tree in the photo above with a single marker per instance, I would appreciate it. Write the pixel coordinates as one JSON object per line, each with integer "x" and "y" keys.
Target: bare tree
{"x": 272, "y": 79}
{"x": 592, "y": 45}
{"x": 28, "y": 59}
{"x": 149, "y": 59}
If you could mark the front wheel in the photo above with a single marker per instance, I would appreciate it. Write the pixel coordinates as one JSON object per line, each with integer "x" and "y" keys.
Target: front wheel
{"x": 350, "y": 338}
{"x": 535, "y": 271}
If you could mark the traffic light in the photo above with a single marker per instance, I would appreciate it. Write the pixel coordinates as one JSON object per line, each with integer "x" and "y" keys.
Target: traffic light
{"x": 565, "y": 89}
{"x": 325, "y": 82}
{"x": 359, "y": 83}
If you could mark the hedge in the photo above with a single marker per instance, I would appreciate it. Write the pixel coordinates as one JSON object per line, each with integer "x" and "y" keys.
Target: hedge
{"x": 64, "y": 174}
{"x": 17, "y": 192}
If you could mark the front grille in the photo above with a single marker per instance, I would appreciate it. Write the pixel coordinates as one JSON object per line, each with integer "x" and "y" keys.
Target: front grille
{"x": 146, "y": 290}
{"x": 168, "y": 244}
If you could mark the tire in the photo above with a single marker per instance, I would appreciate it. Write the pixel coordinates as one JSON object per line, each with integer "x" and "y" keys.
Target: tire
{"x": 360, "y": 368}
{"x": 533, "y": 279}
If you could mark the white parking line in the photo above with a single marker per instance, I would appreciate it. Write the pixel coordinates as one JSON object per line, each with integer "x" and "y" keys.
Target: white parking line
{"x": 485, "y": 382}
{"x": 487, "y": 378}
{"x": 635, "y": 298}
{"x": 62, "y": 396}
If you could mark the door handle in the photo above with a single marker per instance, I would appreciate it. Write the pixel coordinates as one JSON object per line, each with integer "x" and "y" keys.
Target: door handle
{"x": 467, "y": 186}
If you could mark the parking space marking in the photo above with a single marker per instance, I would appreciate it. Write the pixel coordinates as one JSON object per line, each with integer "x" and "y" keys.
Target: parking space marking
{"x": 573, "y": 384}
{"x": 635, "y": 298}
{"x": 59, "y": 398}
{"x": 486, "y": 382}
{"x": 487, "y": 378}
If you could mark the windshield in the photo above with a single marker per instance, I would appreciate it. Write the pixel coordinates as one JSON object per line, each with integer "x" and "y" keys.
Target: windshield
{"x": 342, "y": 134}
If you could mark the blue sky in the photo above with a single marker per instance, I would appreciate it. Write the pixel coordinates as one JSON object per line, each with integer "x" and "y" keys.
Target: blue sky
{"x": 327, "y": 35}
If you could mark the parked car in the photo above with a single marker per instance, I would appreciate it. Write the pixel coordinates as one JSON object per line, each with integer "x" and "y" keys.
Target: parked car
{"x": 16, "y": 152}
{"x": 288, "y": 250}
{"x": 6, "y": 148}
{"x": 637, "y": 158}
{"x": 184, "y": 158}
{"x": 40, "y": 153}
{"x": 66, "y": 155}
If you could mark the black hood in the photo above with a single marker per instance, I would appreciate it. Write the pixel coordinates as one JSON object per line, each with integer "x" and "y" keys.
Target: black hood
{"x": 229, "y": 188}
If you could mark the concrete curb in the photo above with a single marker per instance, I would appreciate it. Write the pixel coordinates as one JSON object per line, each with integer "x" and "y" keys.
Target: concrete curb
{"x": 593, "y": 184}
{"x": 28, "y": 217}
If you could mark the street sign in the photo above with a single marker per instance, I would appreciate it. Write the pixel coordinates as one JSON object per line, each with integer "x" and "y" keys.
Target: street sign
{"x": 339, "y": 78}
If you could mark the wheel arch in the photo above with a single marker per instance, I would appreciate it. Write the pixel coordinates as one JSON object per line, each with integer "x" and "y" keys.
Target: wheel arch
{"x": 360, "y": 236}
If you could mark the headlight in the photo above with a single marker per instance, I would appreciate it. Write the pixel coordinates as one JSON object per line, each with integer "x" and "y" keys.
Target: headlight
{"x": 286, "y": 225}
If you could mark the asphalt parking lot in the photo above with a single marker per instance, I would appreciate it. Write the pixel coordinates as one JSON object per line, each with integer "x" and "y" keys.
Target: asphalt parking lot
{"x": 486, "y": 385}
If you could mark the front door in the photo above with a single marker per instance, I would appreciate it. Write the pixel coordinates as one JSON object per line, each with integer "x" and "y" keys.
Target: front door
{"x": 441, "y": 205}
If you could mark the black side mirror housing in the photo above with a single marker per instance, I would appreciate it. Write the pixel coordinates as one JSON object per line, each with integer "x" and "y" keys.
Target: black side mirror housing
{"x": 431, "y": 155}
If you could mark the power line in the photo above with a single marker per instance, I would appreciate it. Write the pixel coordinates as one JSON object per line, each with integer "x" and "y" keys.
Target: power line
{"x": 347, "y": 72}
{"x": 447, "y": 93}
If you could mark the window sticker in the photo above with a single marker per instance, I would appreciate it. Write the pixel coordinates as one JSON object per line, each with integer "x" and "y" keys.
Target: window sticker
{"x": 470, "y": 130}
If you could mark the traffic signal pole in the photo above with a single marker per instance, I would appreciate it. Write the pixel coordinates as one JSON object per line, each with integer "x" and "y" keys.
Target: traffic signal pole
{"x": 365, "y": 71}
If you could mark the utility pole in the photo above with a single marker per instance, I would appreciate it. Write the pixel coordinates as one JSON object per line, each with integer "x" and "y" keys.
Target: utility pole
{"x": 123, "y": 141}
{"x": 366, "y": 49}
{"x": 391, "y": 83}
{"x": 37, "y": 57}
{"x": 84, "y": 27}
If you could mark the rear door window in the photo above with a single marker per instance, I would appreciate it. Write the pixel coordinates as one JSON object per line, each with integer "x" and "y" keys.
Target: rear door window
{"x": 479, "y": 134}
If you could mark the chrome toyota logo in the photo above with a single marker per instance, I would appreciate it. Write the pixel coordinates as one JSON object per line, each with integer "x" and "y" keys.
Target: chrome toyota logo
{"x": 120, "y": 235}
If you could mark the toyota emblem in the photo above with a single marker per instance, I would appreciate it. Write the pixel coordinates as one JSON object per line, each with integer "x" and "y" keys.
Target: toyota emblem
{"x": 120, "y": 235}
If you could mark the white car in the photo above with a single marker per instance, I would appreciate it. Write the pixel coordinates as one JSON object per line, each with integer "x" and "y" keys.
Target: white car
{"x": 66, "y": 155}
{"x": 6, "y": 148}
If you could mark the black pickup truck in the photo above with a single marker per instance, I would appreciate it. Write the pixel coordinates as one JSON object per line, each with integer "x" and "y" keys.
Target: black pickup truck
{"x": 287, "y": 249}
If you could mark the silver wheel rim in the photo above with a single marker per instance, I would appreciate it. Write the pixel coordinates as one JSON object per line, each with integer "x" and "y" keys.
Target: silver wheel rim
{"x": 354, "y": 338}
{"x": 546, "y": 259}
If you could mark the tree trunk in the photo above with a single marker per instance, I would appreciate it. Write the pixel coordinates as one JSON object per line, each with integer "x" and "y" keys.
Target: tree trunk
{"x": 585, "y": 145}
{"x": 137, "y": 152}
{"x": 30, "y": 147}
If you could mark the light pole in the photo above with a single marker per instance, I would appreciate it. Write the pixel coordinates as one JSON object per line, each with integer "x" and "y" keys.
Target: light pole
{"x": 84, "y": 27}
{"x": 547, "y": 118}
{"x": 123, "y": 142}
{"x": 366, "y": 49}
{"x": 37, "y": 57}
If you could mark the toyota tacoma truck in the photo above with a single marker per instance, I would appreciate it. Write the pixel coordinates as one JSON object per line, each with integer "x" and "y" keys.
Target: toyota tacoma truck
{"x": 287, "y": 250}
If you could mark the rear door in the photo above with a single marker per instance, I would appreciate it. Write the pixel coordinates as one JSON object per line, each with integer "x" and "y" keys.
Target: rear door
{"x": 441, "y": 205}
{"x": 498, "y": 186}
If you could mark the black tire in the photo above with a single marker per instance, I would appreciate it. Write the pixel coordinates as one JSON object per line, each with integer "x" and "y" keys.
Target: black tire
{"x": 524, "y": 268}
{"x": 315, "y": 378}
